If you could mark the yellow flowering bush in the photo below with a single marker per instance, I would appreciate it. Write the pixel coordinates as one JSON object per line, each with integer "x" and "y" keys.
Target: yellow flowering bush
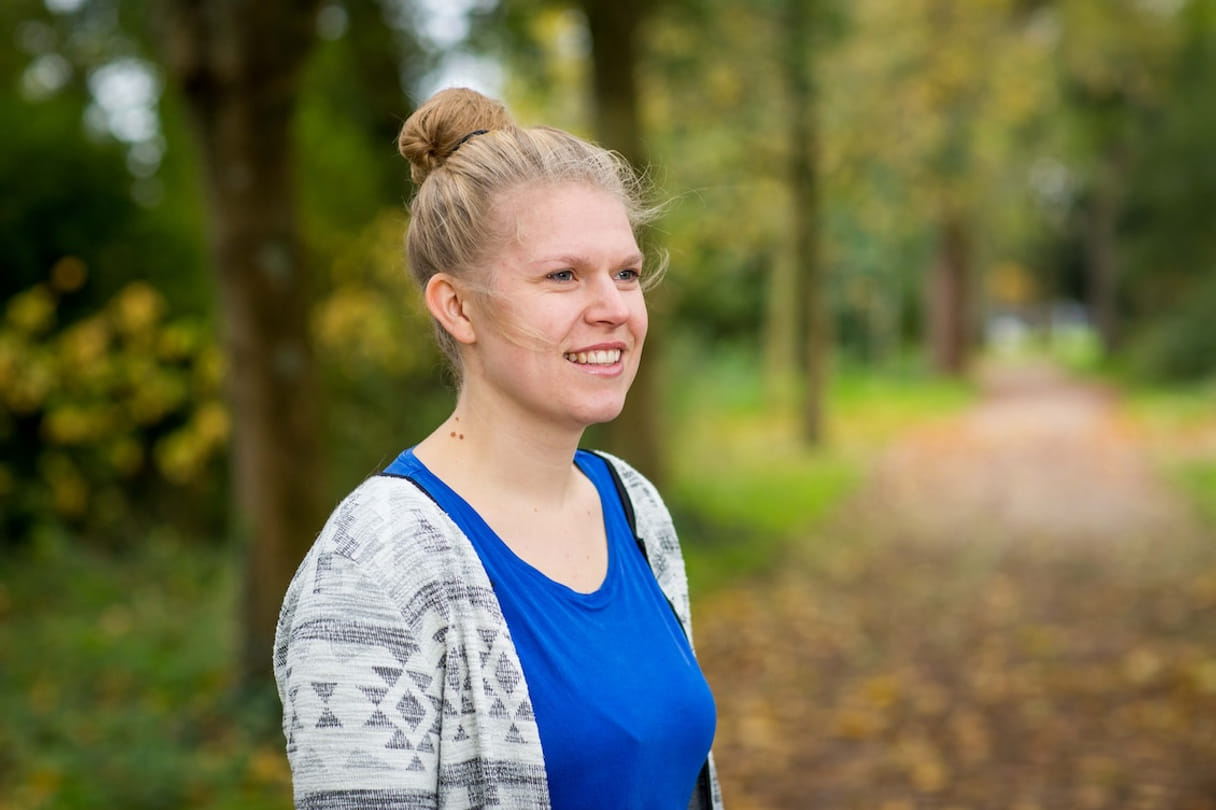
{"x": 108, "y": 418}
{"x": 373, "y": 320}
{"x": 98, "y": 415}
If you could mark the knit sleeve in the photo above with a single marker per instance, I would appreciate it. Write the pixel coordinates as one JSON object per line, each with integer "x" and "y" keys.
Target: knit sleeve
{"x": 399, "y": 680}
{"x": 358, "y": 692}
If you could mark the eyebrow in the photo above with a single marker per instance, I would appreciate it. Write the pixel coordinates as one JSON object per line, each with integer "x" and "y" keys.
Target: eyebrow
{"x": 575, "y": 260}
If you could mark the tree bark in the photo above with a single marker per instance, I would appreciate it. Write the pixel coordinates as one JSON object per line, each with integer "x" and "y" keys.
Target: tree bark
{"x": 949, "y": 299}
{"x": 1101, "y": 270}
{"x": 811, "y": 315}
{"x": 238, "y": 64}
{"x": 782, "y": 335}
{"x": 613, "y": 25}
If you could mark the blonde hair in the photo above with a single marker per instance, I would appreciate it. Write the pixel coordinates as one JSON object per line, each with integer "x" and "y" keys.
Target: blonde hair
{"x": 466, "y": 154}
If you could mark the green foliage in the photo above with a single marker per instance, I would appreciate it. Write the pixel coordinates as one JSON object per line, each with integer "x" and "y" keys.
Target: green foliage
{"x": 384, "y": 381}
{"x": 1136, "y": 123}
{"x": 73, "y": 201}
{"x": 77, "y": 190}
{"x": 111, "y": 416}
{"x": 351, "y": 106}
{"x": 110, "y": 420}
{"x": 1170, "y": 248}
{"x": 384, "y": 375}
{"x": 119, "y": 691}
{"x": 1182, "y": 344}
{"x": 73, "y": 192}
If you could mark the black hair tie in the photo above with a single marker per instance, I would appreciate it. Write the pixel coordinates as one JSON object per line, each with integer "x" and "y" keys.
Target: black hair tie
{"x": 460, "y": 142}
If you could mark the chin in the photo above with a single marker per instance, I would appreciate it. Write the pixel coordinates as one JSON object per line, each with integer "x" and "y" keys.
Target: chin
{"x": 604, "y": 412}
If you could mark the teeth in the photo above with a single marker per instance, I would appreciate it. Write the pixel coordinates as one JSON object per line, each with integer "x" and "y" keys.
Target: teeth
{"x": 600, "y": 357}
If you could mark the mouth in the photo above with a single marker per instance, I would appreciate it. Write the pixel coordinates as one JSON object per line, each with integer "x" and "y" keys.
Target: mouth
{"x": 599, "y": 357}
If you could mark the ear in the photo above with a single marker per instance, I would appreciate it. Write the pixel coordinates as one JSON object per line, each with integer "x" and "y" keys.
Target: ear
{"x": 446, "y": 302}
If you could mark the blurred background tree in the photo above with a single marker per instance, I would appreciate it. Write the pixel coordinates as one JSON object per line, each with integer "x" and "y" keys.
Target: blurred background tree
{"x": 238, "y": 67}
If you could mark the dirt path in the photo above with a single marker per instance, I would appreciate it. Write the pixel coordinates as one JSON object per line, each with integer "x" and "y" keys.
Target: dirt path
{"x": 1016, "y": 612}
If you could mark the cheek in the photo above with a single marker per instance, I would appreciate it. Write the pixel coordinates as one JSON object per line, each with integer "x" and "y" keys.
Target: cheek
{"x": 531, "y": 328}
{"x": 641, "y": 320}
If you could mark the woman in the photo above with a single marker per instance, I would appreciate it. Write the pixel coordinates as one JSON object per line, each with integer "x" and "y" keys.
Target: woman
{"x": 500, "y": 619}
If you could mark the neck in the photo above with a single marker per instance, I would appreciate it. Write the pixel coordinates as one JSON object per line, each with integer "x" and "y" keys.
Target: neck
{"x": 479, "y": 449}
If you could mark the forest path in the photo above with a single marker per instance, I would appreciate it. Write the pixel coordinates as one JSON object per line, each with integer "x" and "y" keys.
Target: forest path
{"x": 1016, "y": 611}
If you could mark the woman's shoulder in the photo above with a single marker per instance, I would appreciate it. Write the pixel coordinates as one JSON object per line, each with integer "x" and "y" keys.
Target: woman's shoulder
{"x": 386, "y": 513}
{"x": 381, "y": 511}
{"x": 389, "y": 533}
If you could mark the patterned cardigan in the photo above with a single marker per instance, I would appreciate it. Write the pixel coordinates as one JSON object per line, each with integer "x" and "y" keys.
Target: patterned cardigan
{"x": 400, "y": 684}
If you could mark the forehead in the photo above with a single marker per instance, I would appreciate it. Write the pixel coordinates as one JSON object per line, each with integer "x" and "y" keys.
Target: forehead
{"x": 565, "y": 216}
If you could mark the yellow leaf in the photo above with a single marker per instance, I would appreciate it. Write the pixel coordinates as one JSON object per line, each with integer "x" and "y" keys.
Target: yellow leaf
{"x": 137, "y": 307}
{"x": 269, "y": 766}
{"x": 1204, "y": 676}
{"x": 1141, "y": 666}
{"x": 929, "y": 775}
{"x": 32, "y": 311}
{"x": 69, "y": 274}
{"x": 882, "y": 691}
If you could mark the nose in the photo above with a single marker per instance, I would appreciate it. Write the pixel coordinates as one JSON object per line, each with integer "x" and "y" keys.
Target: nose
{"x": 609, "y": 303}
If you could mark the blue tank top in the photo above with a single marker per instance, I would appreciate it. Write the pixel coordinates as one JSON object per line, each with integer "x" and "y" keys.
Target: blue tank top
{"x": 625, "y": 716}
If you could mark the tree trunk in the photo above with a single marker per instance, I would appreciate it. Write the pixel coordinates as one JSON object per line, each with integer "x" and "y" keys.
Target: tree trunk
{"x": 949, "y": 299}
{"x": 238, "y": 64}
{"x": 1100, "y": 255}
{"x": 811, "y": 318}
{"x": 636, "y": 434}
{"x": 782, "y": 331}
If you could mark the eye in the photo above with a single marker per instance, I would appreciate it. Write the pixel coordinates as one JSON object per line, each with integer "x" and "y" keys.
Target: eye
{"x": 561, "y": 275}
{"x": 628, "y": 274}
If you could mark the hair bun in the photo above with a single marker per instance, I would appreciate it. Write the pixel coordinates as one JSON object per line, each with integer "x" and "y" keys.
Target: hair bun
{"x": 430, "y": 136}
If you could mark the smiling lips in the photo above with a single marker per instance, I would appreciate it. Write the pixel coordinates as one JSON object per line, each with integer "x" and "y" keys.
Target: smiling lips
{"x": 599, "y": 357}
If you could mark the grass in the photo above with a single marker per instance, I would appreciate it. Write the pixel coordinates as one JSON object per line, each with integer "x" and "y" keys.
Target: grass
{"x": 1180, "y": 421}
{"x": 745, "y": 486}
{"x": 117, "y": 685}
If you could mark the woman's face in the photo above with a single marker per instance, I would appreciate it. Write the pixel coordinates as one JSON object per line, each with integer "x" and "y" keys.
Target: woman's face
{"x": 560, "y": 339}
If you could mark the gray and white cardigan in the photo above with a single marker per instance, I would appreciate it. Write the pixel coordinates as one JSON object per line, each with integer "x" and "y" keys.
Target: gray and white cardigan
{"x": 400, "y": 684}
